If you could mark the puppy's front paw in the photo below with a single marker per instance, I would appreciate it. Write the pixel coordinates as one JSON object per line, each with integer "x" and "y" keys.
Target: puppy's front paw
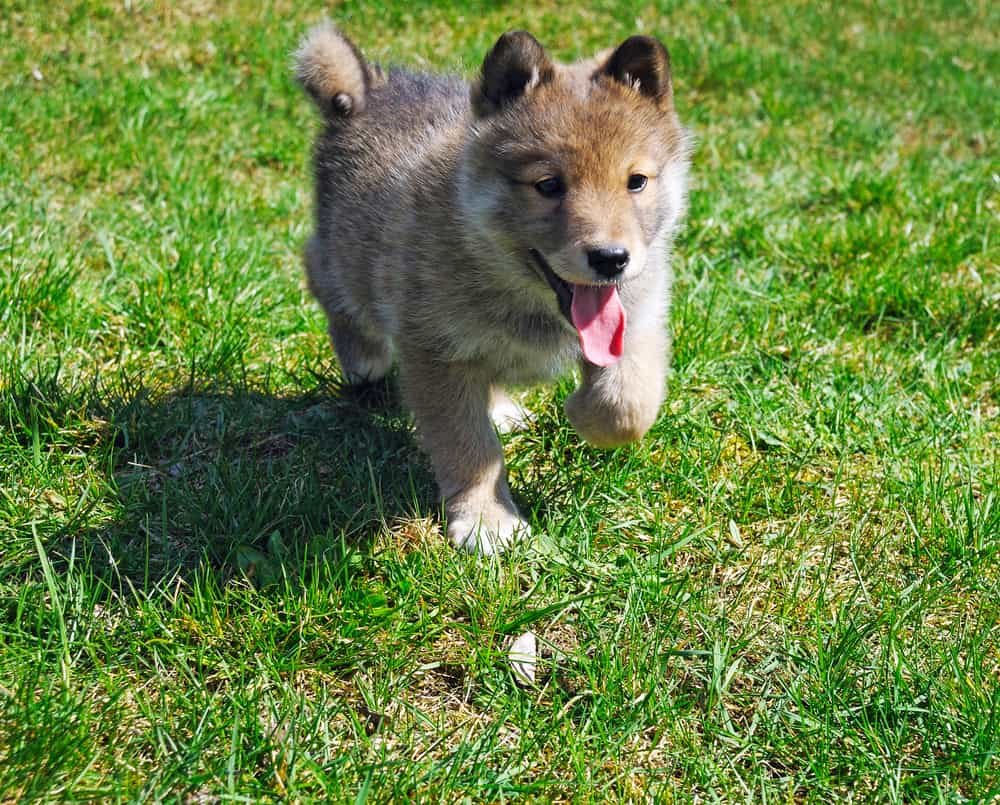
{"x": 487, "y": 530}
{"x": 605, "y": 422}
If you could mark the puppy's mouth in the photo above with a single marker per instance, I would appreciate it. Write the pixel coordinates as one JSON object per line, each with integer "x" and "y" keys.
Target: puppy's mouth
{"x": 563, "y": 290}
{"x": 595, "y": 311}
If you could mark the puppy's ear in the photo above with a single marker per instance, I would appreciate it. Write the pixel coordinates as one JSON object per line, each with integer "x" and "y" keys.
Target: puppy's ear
{"x": 514, "y": 67}
{"x": 643, "y": 63}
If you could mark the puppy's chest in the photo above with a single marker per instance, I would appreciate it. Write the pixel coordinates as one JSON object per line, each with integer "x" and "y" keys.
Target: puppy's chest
{"x": 518, "y": 347}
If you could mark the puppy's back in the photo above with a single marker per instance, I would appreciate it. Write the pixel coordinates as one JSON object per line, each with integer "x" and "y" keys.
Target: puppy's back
{"x": 389, "y": 137}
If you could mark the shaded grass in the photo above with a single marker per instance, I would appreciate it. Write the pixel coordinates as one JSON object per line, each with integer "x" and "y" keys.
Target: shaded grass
{"x": 223, "y": 577}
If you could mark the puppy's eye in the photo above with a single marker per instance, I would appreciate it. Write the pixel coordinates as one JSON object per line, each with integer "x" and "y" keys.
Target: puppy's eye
{"x": 636, "y": 183}
{"x": 551, "y": 187}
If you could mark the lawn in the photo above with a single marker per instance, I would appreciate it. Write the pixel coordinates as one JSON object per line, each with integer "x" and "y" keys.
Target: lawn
{"x": 223, "y": 575}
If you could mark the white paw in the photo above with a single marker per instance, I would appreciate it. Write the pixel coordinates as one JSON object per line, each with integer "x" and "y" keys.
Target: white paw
{"x": 486, "y": 533}
{"x": 509, "y": 416}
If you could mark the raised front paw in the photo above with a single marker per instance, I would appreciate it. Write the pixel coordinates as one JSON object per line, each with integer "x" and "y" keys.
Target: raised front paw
{"x": 485, "y": 529}
{"x": 606, "y": 420}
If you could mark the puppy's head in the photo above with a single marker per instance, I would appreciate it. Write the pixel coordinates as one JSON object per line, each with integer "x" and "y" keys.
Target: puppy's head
{"x": 581, "y": 167}
{"x": 577, "y": 172}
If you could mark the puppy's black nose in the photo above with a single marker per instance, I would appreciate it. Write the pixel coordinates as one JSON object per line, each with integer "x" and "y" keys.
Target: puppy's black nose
{"x": 609, "y": 261}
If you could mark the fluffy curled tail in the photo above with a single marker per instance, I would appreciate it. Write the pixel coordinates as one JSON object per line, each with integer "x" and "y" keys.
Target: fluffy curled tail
{"x": 334, "y": 73}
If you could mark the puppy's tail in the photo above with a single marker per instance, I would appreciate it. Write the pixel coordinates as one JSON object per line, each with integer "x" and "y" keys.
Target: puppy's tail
{"x": 334, "y": 73}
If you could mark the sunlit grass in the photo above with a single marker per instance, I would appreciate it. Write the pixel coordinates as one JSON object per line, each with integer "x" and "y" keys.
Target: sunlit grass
{"x": 223, "y": 577}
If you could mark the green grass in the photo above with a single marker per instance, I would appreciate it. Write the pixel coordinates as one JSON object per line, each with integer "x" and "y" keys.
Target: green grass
{"x": 223, "y": 577}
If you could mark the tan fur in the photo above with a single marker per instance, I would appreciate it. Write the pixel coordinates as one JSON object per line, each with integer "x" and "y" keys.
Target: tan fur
{"x": 427, "y": 215}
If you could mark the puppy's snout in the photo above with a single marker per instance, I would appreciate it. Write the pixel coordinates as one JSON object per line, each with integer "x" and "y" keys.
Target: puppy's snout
{"x": 609, "y": 261}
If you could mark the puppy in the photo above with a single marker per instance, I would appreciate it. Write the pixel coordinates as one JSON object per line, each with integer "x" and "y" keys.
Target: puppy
{"x": 493, "y": 235}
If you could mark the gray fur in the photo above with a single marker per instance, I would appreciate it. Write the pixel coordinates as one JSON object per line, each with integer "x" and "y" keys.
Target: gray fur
{"x": 421, "y": 249}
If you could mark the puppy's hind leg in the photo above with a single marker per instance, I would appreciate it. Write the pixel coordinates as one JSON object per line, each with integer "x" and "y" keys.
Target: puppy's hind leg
{"x": 364, "y": 355}
{"x": 363, "y": 358}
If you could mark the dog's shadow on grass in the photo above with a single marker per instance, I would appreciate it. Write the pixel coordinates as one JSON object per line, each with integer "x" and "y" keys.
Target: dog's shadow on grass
{"x": 244, "y": 480}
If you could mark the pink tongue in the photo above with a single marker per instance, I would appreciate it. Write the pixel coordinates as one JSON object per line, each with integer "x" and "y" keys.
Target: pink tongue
{"x": 599, "y": 318}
